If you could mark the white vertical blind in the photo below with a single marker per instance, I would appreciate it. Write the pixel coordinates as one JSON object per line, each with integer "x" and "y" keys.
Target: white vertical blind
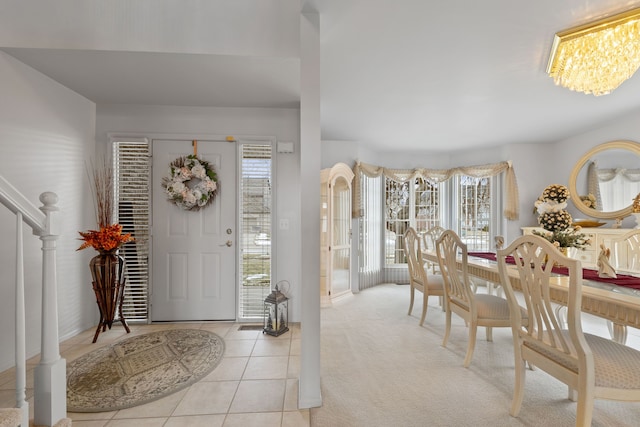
{"x": 371, "y": 226}
{"x": 255, "y": 229}
{"x": 131, "y": 162}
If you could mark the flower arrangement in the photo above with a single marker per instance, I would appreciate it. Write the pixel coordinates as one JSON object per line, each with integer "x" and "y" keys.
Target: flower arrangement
{"x": 589, "y": 201}
{"x": 556, "y": 193}
{"x": 191, "y": 184}
{"x": 109, "y": 237}
{"x": 567, "y": 238}
{"x": 635, "y": 208}
{"x": 556, "y": 221}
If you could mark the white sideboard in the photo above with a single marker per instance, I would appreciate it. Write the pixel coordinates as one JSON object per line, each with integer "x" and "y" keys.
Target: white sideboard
{"x": 596, "y": 236}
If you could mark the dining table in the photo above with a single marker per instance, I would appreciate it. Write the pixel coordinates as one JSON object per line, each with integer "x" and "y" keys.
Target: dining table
{"x": 616, "y": 303}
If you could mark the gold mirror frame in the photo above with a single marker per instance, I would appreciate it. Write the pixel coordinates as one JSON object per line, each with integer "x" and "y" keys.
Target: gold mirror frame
{"x": 634, "y": 147}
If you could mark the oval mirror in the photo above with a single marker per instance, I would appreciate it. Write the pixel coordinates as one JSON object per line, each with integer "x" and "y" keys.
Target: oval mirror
{"x": 604, "y": 182}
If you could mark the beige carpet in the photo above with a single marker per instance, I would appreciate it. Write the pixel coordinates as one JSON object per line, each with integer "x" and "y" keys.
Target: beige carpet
{"x": 379, "y": 368}
{"x": 141, "y": 369}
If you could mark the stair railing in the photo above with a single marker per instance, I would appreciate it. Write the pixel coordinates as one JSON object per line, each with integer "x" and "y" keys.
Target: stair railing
{"x": 50, "y": 403}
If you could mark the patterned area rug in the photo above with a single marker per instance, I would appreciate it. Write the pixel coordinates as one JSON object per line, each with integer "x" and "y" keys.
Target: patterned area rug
{"x": 141, "y": 369}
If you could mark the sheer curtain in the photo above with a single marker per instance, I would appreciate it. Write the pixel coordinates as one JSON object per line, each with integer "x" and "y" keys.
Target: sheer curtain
{"x": 618, "y": 187}
{"x": 370, "y": 267}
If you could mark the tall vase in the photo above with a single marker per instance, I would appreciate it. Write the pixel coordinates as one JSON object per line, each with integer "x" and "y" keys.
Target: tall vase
{"x": 107, "y": 271}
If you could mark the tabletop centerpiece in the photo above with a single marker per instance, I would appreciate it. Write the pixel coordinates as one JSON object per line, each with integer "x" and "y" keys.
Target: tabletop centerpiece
{"x": 107, "y": 268}
{"x": 635, "y": 210}
{"x": 556, "y": 221}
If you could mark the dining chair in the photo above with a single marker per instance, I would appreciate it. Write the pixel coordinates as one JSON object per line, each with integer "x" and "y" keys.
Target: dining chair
{"x": 476, "y": 309}
{"x": 626, "y": 251}
{"x": 592, "y": 367}
{"x": 429, "y": 238}
{"x": 428, "y": 284}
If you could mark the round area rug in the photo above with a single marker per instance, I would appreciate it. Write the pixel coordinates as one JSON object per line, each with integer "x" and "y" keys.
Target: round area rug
{"x": 141, "y": 369}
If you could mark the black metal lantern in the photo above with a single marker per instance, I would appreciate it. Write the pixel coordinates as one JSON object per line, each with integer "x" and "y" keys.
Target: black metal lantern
{"x": 276, "y": 313}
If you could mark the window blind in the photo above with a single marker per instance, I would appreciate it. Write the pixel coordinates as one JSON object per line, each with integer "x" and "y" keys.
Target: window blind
{"x": 131, "y": 163}
{"x": 255, "y": 229}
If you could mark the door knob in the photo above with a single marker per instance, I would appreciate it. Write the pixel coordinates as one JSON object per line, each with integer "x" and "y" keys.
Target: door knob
{"x": 229, "y": 243}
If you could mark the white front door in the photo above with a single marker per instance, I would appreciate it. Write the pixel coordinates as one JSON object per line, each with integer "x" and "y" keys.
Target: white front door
{"x": 194, "y": 252}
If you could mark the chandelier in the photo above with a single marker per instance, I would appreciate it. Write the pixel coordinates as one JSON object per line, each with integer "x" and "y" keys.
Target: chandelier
{"x": 597, "y": 57}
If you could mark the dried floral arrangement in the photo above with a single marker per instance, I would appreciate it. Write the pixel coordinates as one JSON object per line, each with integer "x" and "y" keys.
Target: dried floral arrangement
{"x": 109, "y": 237}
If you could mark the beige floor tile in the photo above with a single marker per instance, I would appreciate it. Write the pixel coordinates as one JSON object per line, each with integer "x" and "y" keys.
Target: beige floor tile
{"x": 116, "y": 333}
{"x": 207, "y": 398}
{"x": 7, "y": 398}
{"x": 291, "y": 395}
{"x": 90, "y": 416}
{"x": 259, "y": 396}
{"x": 82, "y": 337}
{"x": 271, "y": 348}
{"x": 196, "y": 421}
{"x": 296, "y": 418}
{"x": 137, "y": 422}
{"x": 90, "y": 423}
{"x": 268, "y": 419}
{"x": 238, "y": 348}
{"x": 284, "y": 337}
{"x": 218, "y": 328}
{"x": 8, "y": 376}
{"x": 266, "y": 368}
{"x": 295, "y": 330}
{"x": 158, "y": 408}
{"x": 295, "y": 347}
{"x": 79, "y": 350}
{"x": 293, "y": 370}
{"x": 235, "y": 334}
{"x": 229, "y": 369}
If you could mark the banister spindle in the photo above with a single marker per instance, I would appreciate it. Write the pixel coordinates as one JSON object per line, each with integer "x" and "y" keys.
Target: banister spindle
{"x": 20, "y": 338}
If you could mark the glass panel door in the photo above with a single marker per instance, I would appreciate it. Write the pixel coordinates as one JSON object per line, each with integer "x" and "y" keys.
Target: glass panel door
{"x": 341, "y": 237}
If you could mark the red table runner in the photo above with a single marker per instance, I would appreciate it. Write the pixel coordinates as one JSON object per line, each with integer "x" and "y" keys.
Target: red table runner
{"x": 587, "y": 274}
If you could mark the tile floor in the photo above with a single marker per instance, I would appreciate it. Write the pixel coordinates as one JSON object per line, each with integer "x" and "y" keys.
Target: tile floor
{"x": 255, "y": 384}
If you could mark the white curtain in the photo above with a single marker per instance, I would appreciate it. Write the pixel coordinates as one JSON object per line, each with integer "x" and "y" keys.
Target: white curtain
{"x": 618, "y": 187}
{"x": 370, "y": 271}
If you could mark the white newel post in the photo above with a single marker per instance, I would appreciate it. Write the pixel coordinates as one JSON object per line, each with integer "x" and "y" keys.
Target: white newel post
{"x": 50, "y": 404}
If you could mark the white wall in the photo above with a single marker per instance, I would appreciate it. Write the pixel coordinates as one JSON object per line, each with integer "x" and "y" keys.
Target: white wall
{"x": 195, "y": 123}
{"x": 46, "y": 133}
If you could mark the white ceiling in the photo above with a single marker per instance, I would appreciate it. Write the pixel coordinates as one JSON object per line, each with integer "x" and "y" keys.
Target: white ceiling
{"x": 395, "y": 75}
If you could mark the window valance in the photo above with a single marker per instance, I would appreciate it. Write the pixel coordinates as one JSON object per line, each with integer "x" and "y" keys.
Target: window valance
{"x": 511, "y": 210}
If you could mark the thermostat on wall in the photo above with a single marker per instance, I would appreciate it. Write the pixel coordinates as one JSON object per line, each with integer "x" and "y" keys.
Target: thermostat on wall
{"x": 285, "y": 147}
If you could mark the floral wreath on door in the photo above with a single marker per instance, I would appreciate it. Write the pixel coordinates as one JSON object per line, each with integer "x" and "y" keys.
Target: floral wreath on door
{"x": 192, "y": 183}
